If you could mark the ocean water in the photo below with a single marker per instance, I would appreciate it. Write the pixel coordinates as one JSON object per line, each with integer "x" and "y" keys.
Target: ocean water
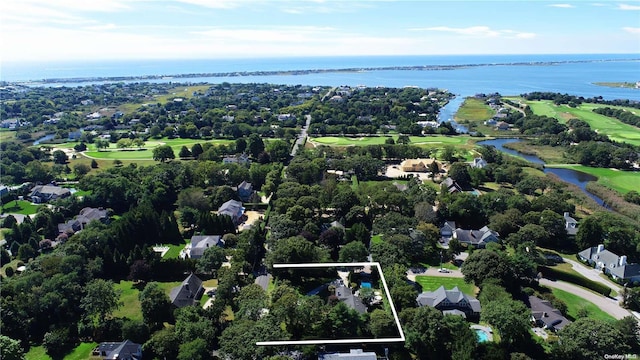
{"x": 572, "y": 74}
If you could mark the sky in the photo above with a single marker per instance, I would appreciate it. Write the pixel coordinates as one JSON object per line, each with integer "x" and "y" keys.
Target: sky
{"x": 50, "y": 30}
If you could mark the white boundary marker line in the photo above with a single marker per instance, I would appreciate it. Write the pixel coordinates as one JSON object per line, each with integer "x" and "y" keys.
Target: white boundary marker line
{"x": 341, "y": 341}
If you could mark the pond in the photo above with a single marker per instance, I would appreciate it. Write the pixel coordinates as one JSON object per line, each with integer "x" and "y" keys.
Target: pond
{"x": 571, "y": 176}
{"x": 44, "y": 138}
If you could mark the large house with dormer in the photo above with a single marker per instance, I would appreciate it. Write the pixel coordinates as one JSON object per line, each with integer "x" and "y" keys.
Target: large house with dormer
{"x": 610, "y": 263}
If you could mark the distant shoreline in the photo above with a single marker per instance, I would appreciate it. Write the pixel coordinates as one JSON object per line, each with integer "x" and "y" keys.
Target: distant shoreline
{"x": 304, "y": 72}
{"x": 628, "y": 85}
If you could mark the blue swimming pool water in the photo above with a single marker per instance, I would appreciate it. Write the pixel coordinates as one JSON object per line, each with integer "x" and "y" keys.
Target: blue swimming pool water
{"x": 365, "y": 284}
{"x": 481, "y": 335}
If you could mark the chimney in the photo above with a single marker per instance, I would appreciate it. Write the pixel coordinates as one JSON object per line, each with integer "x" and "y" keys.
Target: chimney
{"x": 623, "y": 260}
{"x": 566, "y": 214}
{"x": 600, "y": 248}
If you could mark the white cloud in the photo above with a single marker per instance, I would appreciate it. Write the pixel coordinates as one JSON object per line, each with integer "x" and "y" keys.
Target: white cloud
{"x": 215, "y": 4}
{"x": 564, "y": 6}
{"x": 628, "y": 7}
{"x": 479, "y": 31}
{"x": 632, "y": 30}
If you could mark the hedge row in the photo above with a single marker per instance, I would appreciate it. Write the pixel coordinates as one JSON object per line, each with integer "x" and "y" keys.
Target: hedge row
{"x": 551, "y": 273}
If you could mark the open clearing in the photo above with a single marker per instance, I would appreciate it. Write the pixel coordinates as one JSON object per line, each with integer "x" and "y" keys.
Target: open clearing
{"x": 146, "y": 152}
{"x": 614, "y": 128}
{"x": 621, "y": 181}
{"x": 380, "y": 140}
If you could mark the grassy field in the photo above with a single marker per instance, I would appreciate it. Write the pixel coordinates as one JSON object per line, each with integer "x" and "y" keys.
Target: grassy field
{"x": 146, "y": 152}
{"x": 6, "y": 135}
{"x": 185, "y": 92}
{"x": 129, "y": 297}
{"x": 37, "y": 353}
{"x": 20, "y": 207}
{"x": 621, "y": 181}
{"x": 81, "y": 352}
{"x": 615, "y": 129}
{"x": 431, "y": 283}
{"x": 575, "y": 303}
{"x": 473, "y": 110}
{"x": 379, "y": 140}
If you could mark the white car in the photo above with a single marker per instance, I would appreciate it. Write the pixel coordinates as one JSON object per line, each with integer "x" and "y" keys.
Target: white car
{"x": 443, "y": 270}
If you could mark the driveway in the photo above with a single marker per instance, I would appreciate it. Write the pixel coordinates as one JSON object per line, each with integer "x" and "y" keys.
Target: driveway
{"x": 592, "y": 274}
{"x": 608, "y": 305}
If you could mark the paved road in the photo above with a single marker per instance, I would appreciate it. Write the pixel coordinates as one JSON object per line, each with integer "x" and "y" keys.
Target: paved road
{"x": 592, "y": 274}
{"x": 608, "y": 305}
{"x": 302, "y": 137}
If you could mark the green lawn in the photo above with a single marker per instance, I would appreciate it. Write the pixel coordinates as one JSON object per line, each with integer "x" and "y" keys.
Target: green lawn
{"x": 37, "y": 353}
{"x": 474, "y": 110}
{"x": 575, "y": 302}
{"x": 146, "y": 152}
{"x": 20, "y": 207}
{"x": 81, "y": 352}
{"x": 376, "y": 239}
{"x": 130, "y": 304}
{"x": 379, "y": 140}
{"x": 431, "y": 283}
{"x": 614, "y": 128}
{"x": 621, "y": 181}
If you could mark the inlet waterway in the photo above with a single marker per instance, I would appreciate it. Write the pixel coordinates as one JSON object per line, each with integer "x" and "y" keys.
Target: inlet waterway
{"x": 571, "y": 176}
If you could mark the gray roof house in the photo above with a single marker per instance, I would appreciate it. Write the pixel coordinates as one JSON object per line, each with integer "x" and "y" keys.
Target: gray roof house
{"x": 126, "y": 350}
{"x": 353, "y": 354}
{"x": 44, "y": 193}
{"x": 451, "y": 185}
{"x": 478, "y": 163}
{"x": 345, "y": 295}
{"x": 610, "y": 263}
{"x": 188, "y": 293}
{"x": 234, "y": 209}
{"x": 447, "y": 300}
{"x": 85, "y": 216}
{"x": 570, "y": 224}
{"x": 245, "y": 190}
{"x": 446, "y": 231}
{"x": 545, "y": 315}
{"x": 478, "y": 238}
{"x": 200, "y": 243}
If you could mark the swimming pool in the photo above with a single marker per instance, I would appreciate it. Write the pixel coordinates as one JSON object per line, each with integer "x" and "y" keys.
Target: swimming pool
{"x": 481, "y": 335}
{"x": 365, "y": 284}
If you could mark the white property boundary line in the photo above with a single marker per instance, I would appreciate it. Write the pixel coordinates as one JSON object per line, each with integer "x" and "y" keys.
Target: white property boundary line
{"x": 341, "y": 341}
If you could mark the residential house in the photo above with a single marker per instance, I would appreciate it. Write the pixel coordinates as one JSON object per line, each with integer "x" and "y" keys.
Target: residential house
{"x": 502, "y": 125}
{"x": 44, "y": 193}
{"x": 345, "y": 295}
{"x": 610, "y": 263}
{"x": 4, "y": 190}
{"x": 418, "y": 165}
{"x": 234, "y": 209}
{"x": 286, "y": 117}
{"x": 242, "y": 159}
{"x": 446, "y": 231}
{"x": 570, "y": 224}
{"x": 491, "y": 122}
{"x": 450, "y": 301}
{"x": 126, "y": 350}
{"x": 544, "y": 315}
{"x": 451, "y": 185}
{"x": 200, "y": 243}
{"x": 478, "y": 163}
{"x": 187, "y": 293}
{"x": 245, "y": 191}
{"x": 85, "y": 216}
{"x": 353, "y": 354}
{"x": 478, "y": 238}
